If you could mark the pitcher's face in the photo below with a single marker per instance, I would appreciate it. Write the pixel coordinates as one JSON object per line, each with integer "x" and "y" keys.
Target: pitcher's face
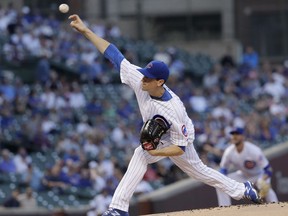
{"x": 149, "y": 84}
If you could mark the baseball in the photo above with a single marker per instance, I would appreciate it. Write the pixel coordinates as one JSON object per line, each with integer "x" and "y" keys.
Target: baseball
{"x": 63, "y": 8}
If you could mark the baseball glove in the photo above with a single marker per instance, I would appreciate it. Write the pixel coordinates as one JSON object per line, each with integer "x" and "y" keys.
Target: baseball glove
{"x": 263, "y": 187}
{"x": 151, "y": 133}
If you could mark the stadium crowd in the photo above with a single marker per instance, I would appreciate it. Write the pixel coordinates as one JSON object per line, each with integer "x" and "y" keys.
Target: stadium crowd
{"x": 91, "y": 125}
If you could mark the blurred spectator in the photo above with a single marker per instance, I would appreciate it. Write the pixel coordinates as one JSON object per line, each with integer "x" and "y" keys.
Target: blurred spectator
{"x": 32, "y": 177}
{"x": 43, "y": 70}
{"x": 27, "y": 199}
{"x": 227, "y": 61}
{"x": 52, "y": 180}
{"x": 176, "y": 66}
{"x": 274, "y": 88}
{"x": 211, "y": 79}
{"x": 21, "y": 160}
{"x": 94, "y": 107}
{"x": 48, "y": 97}
{"x": 69, "y": 173}
{"x": 143, "y": 187}
{"x": 100, "y": 203}
{"x": 7, "y": 164}
{"x": 85, "y": 180}
{"x": 198, "y": 101}
{"x": 221, "y": 110}
{"x": 267, "y": 132}
{"x": 67, "y": 142}
{"x": 250, "y": 57}
{"x": 7, "y": 88}
{"x": 76, "y": 97}
{"x": 40, "y": 141}
{"x": 98, "y": 180}
{"x": 90, "y": 146}
{"x": 13, "y": 200}
{"x": 112, "y": 30}
{"x": 72, "y": 156}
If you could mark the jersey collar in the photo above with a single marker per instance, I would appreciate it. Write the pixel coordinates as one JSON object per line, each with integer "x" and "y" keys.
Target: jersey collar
{"x": 165, "y": 97}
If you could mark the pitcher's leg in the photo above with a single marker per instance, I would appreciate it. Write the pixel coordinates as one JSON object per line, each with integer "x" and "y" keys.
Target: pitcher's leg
{"x": 223, "y": 198}
{"x": 136, "y": 169}
{"x": 194, "y": 167}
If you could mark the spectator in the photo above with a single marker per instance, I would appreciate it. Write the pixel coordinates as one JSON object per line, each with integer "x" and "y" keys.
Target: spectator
{"x": 43, "y": 70}
{"x": 27, "y": 199}
{"x": 250, "y": 57}
{"x": 85, "y": 180}
{"x": 274, "y": 88}
{"x": 100, "y": 203}
{"x": 13, "y": 200}
{"x": 7, "y": 164}
{"x": 7, "y": 88}
{"x": 76, "y": 97}
{"x": 21, "y": 160}
{"x": 52, "y": 180}
{"x": 32, "y": 177}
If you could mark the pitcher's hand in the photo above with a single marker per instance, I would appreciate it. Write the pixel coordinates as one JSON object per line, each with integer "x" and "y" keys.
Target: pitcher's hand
{"x": 77, "y": 23}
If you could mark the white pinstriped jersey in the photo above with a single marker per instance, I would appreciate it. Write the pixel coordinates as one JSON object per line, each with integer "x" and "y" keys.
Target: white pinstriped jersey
{"x": 181, "y": 132}
{"x": 251, "y": 160}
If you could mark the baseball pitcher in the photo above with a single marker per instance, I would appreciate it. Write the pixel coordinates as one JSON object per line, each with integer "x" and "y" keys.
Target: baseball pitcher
{"x": 167, "y": 129}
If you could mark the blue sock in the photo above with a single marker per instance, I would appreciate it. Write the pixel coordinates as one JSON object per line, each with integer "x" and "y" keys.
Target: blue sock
{"x": 122, "y": 212}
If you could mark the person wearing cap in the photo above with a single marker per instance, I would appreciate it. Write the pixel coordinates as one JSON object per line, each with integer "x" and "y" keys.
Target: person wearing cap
{"x": 155, "y": 99}
{"x": 249, "y": 163}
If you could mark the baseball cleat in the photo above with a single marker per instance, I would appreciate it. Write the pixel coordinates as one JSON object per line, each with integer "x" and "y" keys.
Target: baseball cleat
{"x": 115, "y": 212}
{"x": 251, "y": 193}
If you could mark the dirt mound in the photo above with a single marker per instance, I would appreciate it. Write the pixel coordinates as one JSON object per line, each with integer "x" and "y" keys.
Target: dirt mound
{"x": 272, "y": 209}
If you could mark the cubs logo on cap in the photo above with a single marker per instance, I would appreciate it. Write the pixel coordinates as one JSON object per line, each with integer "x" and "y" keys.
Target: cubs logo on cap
{"x": 150, "y": 65}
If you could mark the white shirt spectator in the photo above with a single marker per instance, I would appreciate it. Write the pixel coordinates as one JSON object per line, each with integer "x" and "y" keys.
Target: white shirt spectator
{"x": 48, "y": 98}
{"x": 90, "y": 147}
{"x": 222, "y": 111}
{"x": 143, "y": 187}
{"x": 198, "y": 103}
{"x": 48, "y": 125}
{"x": 99, "y": 204}
{"x": 275, "y": 89}
{"x": 278, "y": 108}
{"x": 21, "y": 161}
{"x": 76, "y": 97}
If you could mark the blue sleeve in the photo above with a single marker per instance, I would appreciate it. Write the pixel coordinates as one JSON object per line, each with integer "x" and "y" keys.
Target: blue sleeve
{"x": 268, "y": 170}
{"x": 223, "y": 171}
{"x": 183, "y": 148}
{"x": 114, "y": 55}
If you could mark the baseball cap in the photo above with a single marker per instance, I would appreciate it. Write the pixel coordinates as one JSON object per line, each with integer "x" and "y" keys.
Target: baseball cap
{"x": 237, "y": 130}
{"x": 155, "y": 70}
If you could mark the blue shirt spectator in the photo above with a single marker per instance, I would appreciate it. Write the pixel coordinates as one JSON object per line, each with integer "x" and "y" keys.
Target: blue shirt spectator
{"x": 250, "y": 57}
{"x": 7, "y": 164}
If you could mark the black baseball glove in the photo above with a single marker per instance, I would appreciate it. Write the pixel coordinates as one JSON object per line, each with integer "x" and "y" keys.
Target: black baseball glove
{"x": 151, "y": 133}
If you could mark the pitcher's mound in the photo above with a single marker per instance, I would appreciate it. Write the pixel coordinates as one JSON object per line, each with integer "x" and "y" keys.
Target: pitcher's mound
{"x": 272, "y": 209}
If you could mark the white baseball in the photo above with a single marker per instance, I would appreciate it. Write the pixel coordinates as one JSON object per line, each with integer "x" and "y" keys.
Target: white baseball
{"x": 63, "y": 8}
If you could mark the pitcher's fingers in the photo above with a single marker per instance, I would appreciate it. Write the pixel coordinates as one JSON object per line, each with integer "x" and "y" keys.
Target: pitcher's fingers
{"x": 74, "y": 17}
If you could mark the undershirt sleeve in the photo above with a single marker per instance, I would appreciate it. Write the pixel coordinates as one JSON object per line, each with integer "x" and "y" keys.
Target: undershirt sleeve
{"x": 114, "y": 55}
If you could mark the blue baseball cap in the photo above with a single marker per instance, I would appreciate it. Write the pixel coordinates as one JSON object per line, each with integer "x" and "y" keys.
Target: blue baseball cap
{"x": 155, "y": 70}
{"x": 237, "y": 130}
